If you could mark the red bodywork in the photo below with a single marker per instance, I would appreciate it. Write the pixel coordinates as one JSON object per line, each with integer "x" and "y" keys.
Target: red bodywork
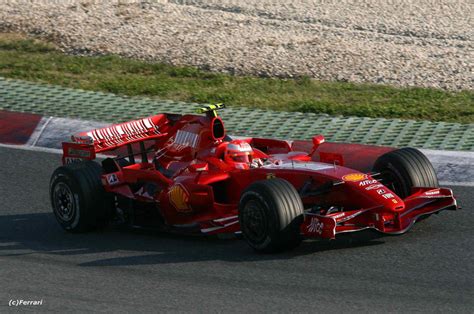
{"x": 181, "y": 176}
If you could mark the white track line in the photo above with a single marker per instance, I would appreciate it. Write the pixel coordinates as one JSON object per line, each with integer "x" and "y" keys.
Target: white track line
{"x": 38, "y": 132}
{"x": 456, "y": 183}
{"x": 33, "y": 148}
{"x": 56, "y": 151}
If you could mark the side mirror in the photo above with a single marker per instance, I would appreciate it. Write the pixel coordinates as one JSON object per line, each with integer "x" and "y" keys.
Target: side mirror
{"x": 317, "y": 140}
{"x": 199, "y": 167}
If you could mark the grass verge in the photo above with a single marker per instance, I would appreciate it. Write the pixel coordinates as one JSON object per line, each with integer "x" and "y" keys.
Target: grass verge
{"x": 39, "y": 61}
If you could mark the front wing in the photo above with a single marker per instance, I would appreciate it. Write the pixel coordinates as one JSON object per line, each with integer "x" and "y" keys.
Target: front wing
{"x": 422, "y": 202}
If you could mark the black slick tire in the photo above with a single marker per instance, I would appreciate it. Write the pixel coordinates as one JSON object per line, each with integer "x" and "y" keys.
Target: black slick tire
{"x": 270, "y": 215}
{"x": 78, "y": 198}
{"x": 405, "y": 168}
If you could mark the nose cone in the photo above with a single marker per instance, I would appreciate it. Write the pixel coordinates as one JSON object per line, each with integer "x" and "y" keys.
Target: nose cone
{"x": 374, "y": 190}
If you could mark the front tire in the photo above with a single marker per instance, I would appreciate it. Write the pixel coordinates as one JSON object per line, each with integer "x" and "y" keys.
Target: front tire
{"x": 78, "y": 198}
{"x": 270, "y": 215}
{"x": 405, "y": 168}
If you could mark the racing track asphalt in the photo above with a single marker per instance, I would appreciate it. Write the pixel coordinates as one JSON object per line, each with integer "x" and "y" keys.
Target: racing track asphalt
{"x": 430, "y": 269}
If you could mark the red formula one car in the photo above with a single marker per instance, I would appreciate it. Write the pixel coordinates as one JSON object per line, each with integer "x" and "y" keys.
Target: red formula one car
{"x": 182, "y": 172}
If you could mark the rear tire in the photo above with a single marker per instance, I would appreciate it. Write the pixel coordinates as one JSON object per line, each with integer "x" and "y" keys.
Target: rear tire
{"x": 270, "y": 215}
{"x": 405, "y": 168}
{"x": 79, "y": 200}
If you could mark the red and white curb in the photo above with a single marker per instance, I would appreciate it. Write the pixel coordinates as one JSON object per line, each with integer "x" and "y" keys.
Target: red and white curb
{"x": 40, "y": 133}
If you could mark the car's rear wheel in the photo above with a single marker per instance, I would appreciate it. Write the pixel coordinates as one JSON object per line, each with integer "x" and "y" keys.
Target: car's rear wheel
{"x": 405, "y": 168}
{"x": 79, "y": 200}
{"x": 270, "y": 215}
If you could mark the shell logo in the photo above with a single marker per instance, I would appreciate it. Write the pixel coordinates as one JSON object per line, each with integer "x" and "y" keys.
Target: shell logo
{"x": 179, "y": 198}
{"x": 354, "y": 177}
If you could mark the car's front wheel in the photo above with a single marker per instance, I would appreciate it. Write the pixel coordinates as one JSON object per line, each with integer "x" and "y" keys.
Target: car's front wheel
{"x": 270, "y": 215}
{"x": 405, "y": 168}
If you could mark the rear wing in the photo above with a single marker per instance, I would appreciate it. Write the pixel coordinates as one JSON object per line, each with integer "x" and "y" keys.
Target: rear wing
{"x": 86, "y": 145}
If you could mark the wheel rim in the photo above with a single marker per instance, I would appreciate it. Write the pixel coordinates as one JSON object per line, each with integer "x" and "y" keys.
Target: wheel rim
{"x": 254, "y": 222}
{"x": 64, "y": 205}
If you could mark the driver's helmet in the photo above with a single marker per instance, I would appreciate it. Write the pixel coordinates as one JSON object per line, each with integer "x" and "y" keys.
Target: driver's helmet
{"x": 238, "y": 154}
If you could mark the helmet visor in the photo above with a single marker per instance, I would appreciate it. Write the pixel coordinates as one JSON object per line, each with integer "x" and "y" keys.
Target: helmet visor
{"x": 241, "y": 157}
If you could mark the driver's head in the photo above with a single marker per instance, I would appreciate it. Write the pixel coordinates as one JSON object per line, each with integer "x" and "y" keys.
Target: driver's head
{"x": 238, "y": 154}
